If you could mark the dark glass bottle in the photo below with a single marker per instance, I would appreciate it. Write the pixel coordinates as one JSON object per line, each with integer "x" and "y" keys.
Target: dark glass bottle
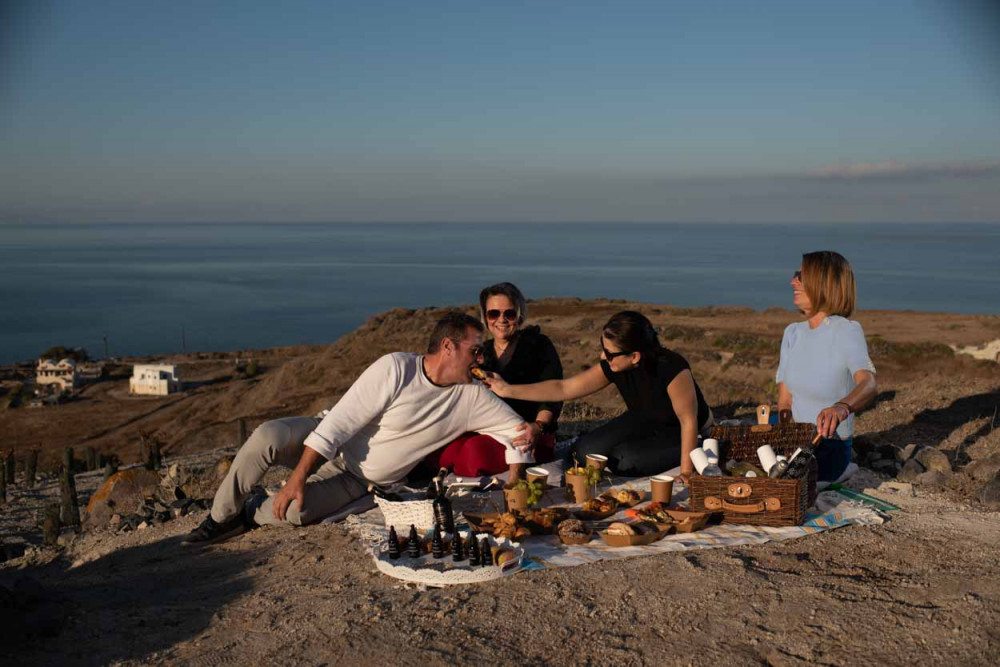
{"x": 393, "y": 543}
{"x": 434, "y": 488}
{"x": 799, "y": 463}
{"x": 443, "y": 514}
{"x": 473, "y": 550}
{"x": 485, "y": 553}
{"x": 457, "y": 550}
{"x": 437, "y": 544}
{"x": 413, "y": 543}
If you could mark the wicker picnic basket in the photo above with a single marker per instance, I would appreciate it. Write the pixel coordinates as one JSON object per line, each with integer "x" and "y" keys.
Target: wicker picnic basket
{"x": 412, "y": 510}
{"x": 757, "y": 501}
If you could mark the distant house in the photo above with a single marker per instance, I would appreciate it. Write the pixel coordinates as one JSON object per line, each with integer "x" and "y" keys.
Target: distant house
{"x": 59, "y": 374}
{"x": 154, "y": 380}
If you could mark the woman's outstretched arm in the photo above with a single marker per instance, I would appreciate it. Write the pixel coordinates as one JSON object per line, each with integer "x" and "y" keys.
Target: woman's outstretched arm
{"x": 581, "y": 384}
{"x": 684, "y": 400}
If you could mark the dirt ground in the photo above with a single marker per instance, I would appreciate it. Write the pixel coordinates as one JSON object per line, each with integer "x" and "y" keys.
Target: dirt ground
{"x": 921, "y": 588}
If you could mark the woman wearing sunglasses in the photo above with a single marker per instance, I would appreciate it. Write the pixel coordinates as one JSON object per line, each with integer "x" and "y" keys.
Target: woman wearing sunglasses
{"x": 825, "y": 374}
{"x": 517, "y": 354}
{"x": 666, "y": 409}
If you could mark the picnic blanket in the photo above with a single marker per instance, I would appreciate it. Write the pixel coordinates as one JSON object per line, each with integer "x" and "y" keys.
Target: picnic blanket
{"x": 833, "y": 510}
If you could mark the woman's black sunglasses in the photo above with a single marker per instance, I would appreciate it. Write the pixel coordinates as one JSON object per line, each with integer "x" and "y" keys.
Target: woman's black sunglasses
{"x": 611, "y": 355}
{"x": 510, "y": 314}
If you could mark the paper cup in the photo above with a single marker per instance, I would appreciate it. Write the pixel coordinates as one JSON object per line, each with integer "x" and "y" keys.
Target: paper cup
{"x": 700, "y": 460}
{"x": 577, "y": 489}
{"x": 515, "y": 499}
{"x": 662, "y": 488}
{"x": 597, "y": 461}
{"x": 711, "y": 447}
{"x": 766, "y": 456}
{"x": 537, "y": 475}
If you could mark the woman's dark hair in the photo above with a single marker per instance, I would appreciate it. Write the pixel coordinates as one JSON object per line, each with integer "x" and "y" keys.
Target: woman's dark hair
{"x": 633, "y": 332}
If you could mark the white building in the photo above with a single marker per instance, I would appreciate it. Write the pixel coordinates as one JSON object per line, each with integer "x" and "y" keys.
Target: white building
{"x": 154, "y": 380}
{"x": 61, "y": 373}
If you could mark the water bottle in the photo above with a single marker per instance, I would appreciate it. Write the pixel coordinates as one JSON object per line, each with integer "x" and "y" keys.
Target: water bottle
{"x": 778, "y": 469}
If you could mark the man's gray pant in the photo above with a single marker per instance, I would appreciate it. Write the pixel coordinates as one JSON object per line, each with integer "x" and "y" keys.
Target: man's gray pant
{"x": 328, "y": 488}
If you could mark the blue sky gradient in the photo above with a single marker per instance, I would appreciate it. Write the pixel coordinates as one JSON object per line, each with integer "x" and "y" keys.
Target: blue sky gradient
{"x": 518, "y": 111}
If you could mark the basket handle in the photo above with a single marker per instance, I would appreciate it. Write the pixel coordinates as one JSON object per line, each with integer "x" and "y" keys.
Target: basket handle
{"x": 766, "y": 505}
{"x": 763, "y": 414}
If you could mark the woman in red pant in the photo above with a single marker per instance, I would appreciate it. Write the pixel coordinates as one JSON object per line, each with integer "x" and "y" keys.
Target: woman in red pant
{"x": 520, "y": 355}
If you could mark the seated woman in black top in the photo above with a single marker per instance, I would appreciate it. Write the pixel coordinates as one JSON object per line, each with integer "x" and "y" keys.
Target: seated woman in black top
{"x": 518, "y": 354}
{"x": 666, "y": 409}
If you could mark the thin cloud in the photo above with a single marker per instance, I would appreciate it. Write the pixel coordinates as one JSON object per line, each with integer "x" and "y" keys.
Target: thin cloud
{"x": 903, "y": 171}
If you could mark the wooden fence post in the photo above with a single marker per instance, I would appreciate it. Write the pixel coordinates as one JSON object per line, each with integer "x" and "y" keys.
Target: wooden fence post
{"x": 241, "y": 432}
{"x": 155, "y": 458}
{"x": 109, "y": 469}
{"x": 51, "y": 525}
{"x": 9, "y": 465}
{"x": 30, "y": 467}
{"x": 90, "y": 456}
{"x": 3, "y": 485}
{"x": 67, "y": 487}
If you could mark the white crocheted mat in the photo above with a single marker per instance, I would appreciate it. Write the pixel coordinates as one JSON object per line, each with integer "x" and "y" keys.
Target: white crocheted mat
{"x": 833, "y": 510}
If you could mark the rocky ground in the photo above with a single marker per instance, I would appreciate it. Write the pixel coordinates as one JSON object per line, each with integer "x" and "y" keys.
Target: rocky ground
{"x": 922, "y": 587}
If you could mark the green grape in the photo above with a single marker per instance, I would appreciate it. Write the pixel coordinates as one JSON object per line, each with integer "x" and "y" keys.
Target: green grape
{"x": 534, "y": 492}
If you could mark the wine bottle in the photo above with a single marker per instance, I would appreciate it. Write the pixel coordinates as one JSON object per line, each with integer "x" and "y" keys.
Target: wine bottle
{"x": 485, "y": 553}
{"x": 432, "y": 487}
{"x": 443, "y": 514}
{"x": 457, "y": 550}
{"x": 437, "y": 544}
{"x": 393, "y": 543}
{"x": 799, "y": 463}
{"x": 473, "y": 550}
{"x": 413, "y": 543}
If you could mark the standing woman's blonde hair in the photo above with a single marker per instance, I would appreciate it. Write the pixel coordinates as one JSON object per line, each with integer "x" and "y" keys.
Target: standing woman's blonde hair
{"x": 828, "y": 280}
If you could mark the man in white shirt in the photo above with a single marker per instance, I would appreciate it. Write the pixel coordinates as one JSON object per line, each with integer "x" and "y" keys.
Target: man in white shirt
{"x": 402, "y": 408}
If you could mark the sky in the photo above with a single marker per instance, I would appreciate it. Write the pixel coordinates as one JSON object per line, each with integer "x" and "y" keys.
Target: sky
{"x": 466, "y": 111}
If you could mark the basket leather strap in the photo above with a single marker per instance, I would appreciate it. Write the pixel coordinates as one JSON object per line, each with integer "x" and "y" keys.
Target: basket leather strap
{"x": 766, "y": 505}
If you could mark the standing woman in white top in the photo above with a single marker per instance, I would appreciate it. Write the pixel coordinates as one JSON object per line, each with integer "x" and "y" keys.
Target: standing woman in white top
{"x": 825, "y": 374}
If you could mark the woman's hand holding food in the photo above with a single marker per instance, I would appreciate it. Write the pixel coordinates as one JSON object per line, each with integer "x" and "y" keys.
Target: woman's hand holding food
{"x": 829, "y": 418}
{"x": 497, "y": 385}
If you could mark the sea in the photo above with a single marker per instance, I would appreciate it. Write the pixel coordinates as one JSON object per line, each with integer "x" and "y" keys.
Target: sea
{"x": 142, "y": 289}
